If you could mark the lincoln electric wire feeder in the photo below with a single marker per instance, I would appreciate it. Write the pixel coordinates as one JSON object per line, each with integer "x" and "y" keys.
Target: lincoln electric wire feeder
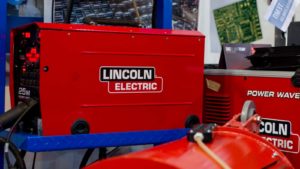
{"x": 101, "y": 79}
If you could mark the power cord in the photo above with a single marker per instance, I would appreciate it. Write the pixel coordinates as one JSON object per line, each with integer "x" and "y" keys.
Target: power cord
{"x": 20, "y": 164}
{"x": 102, "y": 155}
{"x": 33, "y": 161}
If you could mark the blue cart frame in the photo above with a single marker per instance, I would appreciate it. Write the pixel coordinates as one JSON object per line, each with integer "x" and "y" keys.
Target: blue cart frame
{"x": 34, "y": 143}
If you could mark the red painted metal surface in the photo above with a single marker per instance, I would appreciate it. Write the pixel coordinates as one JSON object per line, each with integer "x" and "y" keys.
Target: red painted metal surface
{"x": 270, "y": 104}
{"x": 71, "y": 90}
{"x": 233, "y": 143}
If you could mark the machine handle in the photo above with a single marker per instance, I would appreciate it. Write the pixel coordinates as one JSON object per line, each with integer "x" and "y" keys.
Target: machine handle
{"x": 111, "y": 22}
{"x": 296, "y": 78}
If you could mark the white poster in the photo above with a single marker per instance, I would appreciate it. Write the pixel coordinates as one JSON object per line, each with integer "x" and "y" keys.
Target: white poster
{"x": 281, "y": 12}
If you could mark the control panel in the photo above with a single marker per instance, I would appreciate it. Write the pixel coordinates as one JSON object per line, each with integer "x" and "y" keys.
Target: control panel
{"x": 26, "y": 64}
{"x": 26, "y": 67}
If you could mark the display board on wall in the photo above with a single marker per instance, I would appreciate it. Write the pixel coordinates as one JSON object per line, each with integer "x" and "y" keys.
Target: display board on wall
{"x": 185, "y": 12}
{"x": 137, "y": 10}
{"x": 238, "y": 22}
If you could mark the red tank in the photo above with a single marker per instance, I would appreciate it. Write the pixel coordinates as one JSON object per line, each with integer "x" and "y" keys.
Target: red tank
{"x": 235, "y": 145}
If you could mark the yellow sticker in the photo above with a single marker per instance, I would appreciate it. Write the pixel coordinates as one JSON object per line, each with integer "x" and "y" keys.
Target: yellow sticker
{"x": 212, "y": 85}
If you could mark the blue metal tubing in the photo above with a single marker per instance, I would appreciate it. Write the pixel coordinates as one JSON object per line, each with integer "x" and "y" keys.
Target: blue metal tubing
{"x": 3, "y": 14}
{"x": 35, "y": 143}
{"x": 3, "y": 26}
{"x": 163, "y": 14}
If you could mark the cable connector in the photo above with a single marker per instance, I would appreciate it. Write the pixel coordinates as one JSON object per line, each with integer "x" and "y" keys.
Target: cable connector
{"x": 206, "y": 131}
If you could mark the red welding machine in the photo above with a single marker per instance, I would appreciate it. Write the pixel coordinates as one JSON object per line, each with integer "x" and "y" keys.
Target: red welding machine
{"x": 94, "y": 79}
{"x": 276, "y": 98}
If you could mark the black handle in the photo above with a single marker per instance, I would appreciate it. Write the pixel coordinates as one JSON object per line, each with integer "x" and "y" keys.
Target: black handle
{"x": 111, "y": 22}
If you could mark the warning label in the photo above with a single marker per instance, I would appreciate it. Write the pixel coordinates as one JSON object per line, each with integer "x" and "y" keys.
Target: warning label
{"x": 279, "y": 133}
{"x": 131, "y": 79}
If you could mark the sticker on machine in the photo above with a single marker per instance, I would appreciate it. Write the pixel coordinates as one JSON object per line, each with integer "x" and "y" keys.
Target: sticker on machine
{"x": 130, "y": 79}
{"x": 279, "y": 133}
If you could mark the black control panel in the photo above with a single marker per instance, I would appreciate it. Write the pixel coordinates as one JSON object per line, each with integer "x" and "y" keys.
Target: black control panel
{"x": 26, "y": 64}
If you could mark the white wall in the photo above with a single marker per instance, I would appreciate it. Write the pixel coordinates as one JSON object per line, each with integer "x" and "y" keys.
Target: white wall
{"x": 47, "y": 11}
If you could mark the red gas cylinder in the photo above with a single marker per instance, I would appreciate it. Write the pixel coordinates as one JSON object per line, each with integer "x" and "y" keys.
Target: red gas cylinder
{"x": 234, "y": 145}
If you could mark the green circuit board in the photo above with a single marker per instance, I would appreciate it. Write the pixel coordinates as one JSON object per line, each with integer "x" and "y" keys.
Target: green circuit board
{"x": 238, "y": 22}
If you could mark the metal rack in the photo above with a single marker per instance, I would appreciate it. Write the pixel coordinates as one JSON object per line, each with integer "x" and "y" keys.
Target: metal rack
{"x": 2, "y": 61}
{"x": 2, "y": 51}
{"x": 34, "y": 143}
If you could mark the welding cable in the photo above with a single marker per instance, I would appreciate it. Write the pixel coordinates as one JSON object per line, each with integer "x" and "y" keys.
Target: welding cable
{"x": 86, "y": 157}
{"x": 113, "y": 151}
{"x": 69, "y": 11}
{"x": 52, "y": 11}
{"x": 18, "y": 156}
{"x": 22, "y": 154}
{"x": 7, "y": 144}
{"x": 102, "y": 150}
{"x": 33, "y": 161}
{"x": 198, "y": 137}
{"x": 154, "y": 6}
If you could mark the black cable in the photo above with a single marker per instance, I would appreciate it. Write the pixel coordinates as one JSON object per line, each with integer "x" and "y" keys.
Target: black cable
{"x": 69, "y": 11}
{"x": 102, "y": 153}
{"x": 52, "y": 11}
{"x": 113, "y": 151}
{"x": 86, "y": 157}
{"x": 31, "y": 104}
{"x": 7, "y": 144}
{"x": 19, "y": 159}
{"x": 33, "y": 161}
{"x": 154, "y": 11}
{"x": 22, "y": 154}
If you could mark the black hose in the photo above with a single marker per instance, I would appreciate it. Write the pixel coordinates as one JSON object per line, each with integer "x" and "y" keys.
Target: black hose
{"x": 102, "y": 153}
{"x": 22, "y": 154}
{"x": 52, "y": 11}
{"x": 19, "y": 159}
{"x": 30, "y": 105}
{"x": 8, "y": 118}
{"x": 33, "y": 161}
{"x": 154, "y": 10}
{"x": 112, "y": 152}
{"x": 89, "y": 152}
{"x": 69, "y": 11}
{"x": 86, "y": 157}
{"x": 14, "y": 116}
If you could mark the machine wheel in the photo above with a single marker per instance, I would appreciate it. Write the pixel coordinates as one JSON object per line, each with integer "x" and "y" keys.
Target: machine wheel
{"x": 248, "y": 110}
